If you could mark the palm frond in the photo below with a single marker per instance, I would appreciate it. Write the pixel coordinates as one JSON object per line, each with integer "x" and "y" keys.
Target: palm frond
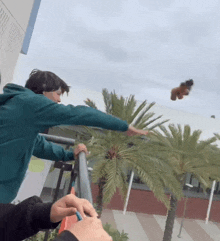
{"x": 130, "y": 106}
{"x": 157, "y": 124}
{"x": 217, "y": 135}
{"x": 118, "y": 106}
{"x": 186, "y": 133}
{"x": 174, "y": 131}
{"x": 204, "y": 144}
{"x": 142, "y": 118}
{"x": 110, "y": 186}
{"x": 142, "y": 114}
{"x": 90, "y": 103}
{"x": 151, "y": 121}
{"x": 165, "y": 131}
{"x": 99, "y": 170}
{"x": 108, "y": 101}
{"x": 139, "y": 109}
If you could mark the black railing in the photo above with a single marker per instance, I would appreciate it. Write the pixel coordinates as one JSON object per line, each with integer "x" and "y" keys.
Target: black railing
{"x": 79, "y": 173}
{"x": 59, "y": 140}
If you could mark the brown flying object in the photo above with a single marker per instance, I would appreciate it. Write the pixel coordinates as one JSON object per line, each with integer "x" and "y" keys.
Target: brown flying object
{"x": 182, "y": 90}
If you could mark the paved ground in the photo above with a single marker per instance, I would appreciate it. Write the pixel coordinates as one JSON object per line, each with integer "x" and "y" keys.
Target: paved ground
{"x": 146, "y": 227}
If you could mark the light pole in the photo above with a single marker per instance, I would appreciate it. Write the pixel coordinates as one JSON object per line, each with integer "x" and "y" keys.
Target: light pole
{"x": 129, "y": 190}
{"x": 184, "y": 212}
{"x": 210, "y": 202}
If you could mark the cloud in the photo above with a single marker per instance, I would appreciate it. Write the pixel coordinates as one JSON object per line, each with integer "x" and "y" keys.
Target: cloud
{"x": 102, "y": 8}
{"x": 156, "y": 4}
{"x": 102, "y": 43}
{"x": 111, "y": 53}
{"x": 192, "y": 31}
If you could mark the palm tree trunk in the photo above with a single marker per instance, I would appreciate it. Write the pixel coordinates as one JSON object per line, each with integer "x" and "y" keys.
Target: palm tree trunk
{"x": 99, "y": 198}
{"x": 170, "y": 219}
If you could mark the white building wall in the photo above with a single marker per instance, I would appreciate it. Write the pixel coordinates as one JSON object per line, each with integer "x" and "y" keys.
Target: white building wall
{"x": 14, "y": 17}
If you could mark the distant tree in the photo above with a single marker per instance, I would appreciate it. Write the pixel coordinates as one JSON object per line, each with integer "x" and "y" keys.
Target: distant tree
{"x": 186, "y": 154}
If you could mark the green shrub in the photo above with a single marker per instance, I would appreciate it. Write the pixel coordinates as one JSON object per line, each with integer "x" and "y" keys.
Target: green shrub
{"x": 115, "y": 234}
{"x": 40, "y": 236}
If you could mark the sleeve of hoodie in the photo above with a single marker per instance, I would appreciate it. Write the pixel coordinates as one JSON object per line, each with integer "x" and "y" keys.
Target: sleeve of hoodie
{"x": 47, "y": 113}
{"x": 50, "y": 151}
{"x": 25, "y": 219}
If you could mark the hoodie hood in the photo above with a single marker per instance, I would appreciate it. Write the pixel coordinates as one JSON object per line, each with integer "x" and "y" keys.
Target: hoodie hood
{"x": 12, "y": 90}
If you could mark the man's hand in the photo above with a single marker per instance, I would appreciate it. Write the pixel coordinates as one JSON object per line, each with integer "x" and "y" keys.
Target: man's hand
{"x": 68, "y": 205}
{"x": 90, "y": 229}
{"x": 80, "y": 148}
{"x": 133, "y": 131}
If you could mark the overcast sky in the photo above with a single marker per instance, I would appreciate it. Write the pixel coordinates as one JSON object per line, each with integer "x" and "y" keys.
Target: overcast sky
{"x": 139, "y": 47}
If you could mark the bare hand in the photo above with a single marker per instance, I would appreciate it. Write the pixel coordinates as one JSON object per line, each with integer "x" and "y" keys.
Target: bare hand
{"x": 80, "y": 148}
{"x": 90, "y": 229}
{"x": 68, "y": 205}
{"x": 133, "y": 131}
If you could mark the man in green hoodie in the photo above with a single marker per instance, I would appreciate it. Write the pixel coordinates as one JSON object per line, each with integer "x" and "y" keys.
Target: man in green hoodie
{"x": 27, "y": 111}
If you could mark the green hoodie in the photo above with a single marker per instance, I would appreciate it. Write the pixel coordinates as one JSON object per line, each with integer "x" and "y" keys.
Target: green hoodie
{"x": 23, "y": 115}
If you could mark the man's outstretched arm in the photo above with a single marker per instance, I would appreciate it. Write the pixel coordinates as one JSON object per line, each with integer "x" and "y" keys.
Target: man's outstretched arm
{"x": 45, "y": 113}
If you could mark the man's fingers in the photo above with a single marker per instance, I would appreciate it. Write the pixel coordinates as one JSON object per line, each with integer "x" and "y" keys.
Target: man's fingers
{"x": 80, "y": 148}
{"x": 89, "y": 209}
{"x": 77, "y": 152}
{"x": 91, "y": 212}
{"x": 71, "y": 211}
{"x": 81, "y": 211}
{"x": 62, "y": 213}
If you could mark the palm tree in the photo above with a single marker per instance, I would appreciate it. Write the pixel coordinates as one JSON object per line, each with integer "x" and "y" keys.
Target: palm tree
{"x": 115, "y": 156}
{"x": 116, "y": 153}
{"x": 186, "y": 154}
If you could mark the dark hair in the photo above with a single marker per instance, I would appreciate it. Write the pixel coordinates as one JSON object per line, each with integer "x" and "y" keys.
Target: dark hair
{"x": 40, "y": 81}
{"x": 187, "y": 83}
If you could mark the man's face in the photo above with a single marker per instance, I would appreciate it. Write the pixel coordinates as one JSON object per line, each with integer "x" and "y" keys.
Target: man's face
{"x": 54, "y": 95}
